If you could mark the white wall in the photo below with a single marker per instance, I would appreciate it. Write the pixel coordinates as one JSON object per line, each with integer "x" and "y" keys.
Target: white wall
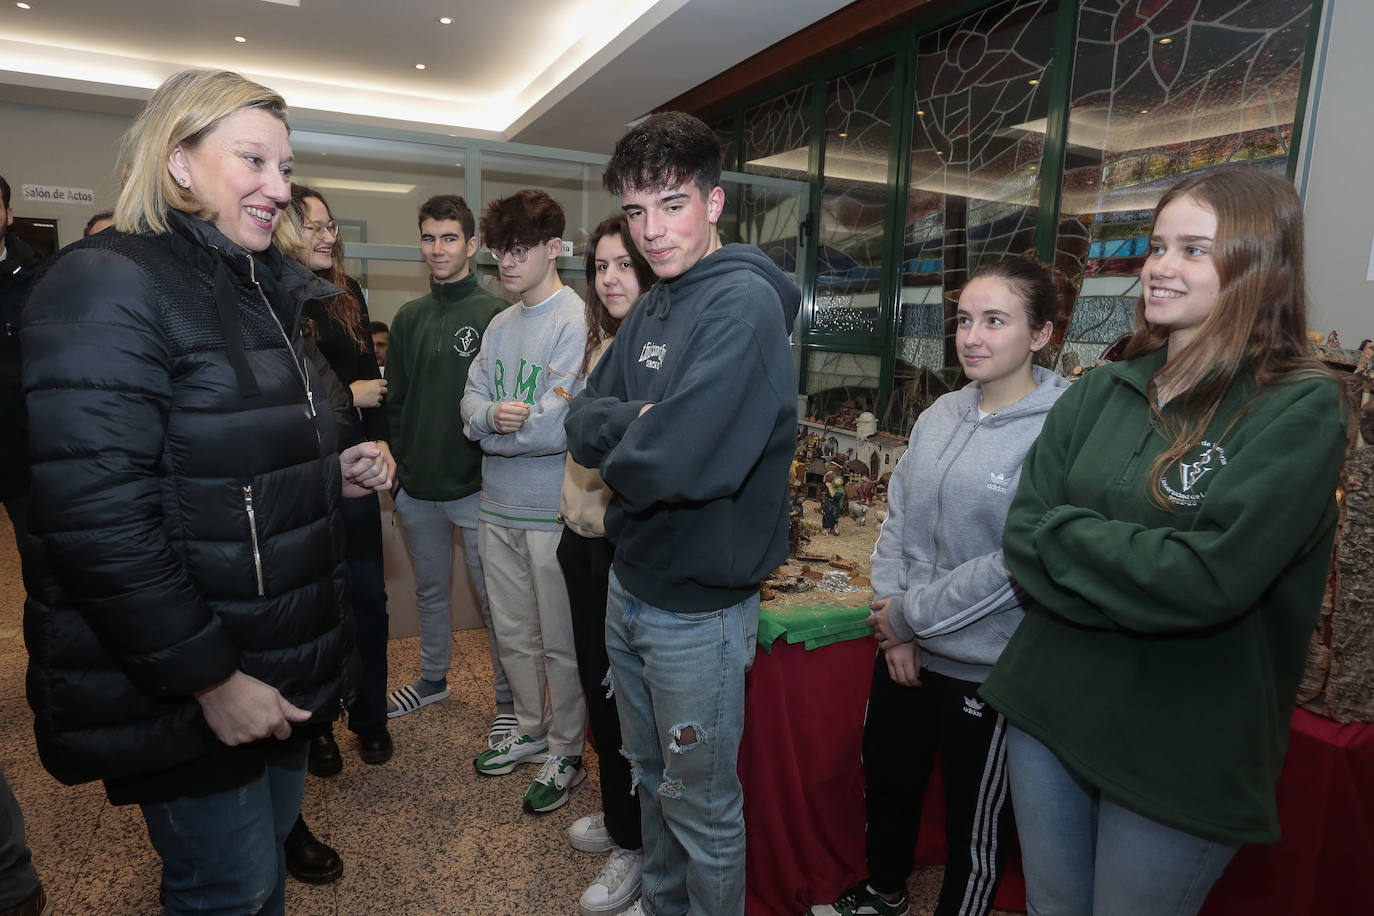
{"x": 52, "y": 146}
{"x": 1338, "y": 195}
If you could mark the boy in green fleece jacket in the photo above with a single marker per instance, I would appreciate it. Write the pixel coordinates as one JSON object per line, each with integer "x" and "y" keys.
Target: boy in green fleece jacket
{"x": 433, "y": 341}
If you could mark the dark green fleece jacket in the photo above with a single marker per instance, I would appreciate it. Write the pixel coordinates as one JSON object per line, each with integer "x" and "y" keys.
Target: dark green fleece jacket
{"x": 433, "y": 341}
{"x": 1161, "y": 653}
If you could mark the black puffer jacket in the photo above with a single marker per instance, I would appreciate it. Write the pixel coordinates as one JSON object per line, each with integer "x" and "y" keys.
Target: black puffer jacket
{"x": 186, "y": 491}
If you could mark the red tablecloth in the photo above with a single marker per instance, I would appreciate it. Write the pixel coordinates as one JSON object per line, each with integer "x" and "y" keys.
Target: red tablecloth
{"x": 803, "y": 801}
{"x": 1324, "y": 863}
{"x": 804, "y": 782}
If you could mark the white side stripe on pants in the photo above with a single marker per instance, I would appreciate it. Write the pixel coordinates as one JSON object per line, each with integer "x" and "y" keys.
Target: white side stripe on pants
{"x": 992, "y": 796}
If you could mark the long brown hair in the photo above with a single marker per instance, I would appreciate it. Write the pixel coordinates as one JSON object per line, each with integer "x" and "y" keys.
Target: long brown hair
{"x": 344, "y": 308}
{"x": 601, "y": 324}
{"x": 1259, "y": 320}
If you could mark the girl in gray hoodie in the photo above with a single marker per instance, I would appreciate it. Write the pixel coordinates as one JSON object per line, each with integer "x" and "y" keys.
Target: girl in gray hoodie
{"x": 944, "y": 607}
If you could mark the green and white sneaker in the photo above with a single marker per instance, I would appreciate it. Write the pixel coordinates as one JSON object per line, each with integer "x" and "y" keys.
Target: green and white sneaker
{"x": 555, "y": 782}
{"x": 862, "y": 900}
{"x": 510, "y": 753}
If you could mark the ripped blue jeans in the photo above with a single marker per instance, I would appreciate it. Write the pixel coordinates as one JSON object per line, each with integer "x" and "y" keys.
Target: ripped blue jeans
{"x": 679, "y": 687}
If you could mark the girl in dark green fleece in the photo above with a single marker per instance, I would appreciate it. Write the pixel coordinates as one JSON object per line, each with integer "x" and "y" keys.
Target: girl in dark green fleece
{"x": 1173, "y": 528}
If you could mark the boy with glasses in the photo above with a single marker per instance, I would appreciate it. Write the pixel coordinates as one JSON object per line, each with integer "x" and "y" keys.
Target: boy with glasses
{"x": 691, "y": 418}
{"x": 433, "y": 342}
{"x": 516, "y": 400}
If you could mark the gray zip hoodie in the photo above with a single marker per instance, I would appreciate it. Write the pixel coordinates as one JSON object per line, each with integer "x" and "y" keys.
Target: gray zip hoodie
{"x": 939, "y": 553}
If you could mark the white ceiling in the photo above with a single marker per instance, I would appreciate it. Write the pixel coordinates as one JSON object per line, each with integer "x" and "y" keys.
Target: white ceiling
{"x": 567, "y": 74}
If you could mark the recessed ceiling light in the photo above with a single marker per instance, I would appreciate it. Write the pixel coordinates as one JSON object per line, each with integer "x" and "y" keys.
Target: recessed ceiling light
{"x": 920, "y": 111}
{"x": 842, "y": 135}
{"x": 23, "y": 6}
{"x": 419, "y": 66}
{"x": 240, "y": 39}
{"x": 1166, "y": 41}
{"x": 1144, "y": 111}
{"x": 446, "y": 20}
{"x": 1033, "y": 82}
{"x": 939, "y": 152}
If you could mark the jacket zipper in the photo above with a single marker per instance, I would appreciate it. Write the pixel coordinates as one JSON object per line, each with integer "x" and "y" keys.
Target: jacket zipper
{"x": 300, "y": 367}
{"x": 940, "y": 496}
{"x": 253, "y": 530}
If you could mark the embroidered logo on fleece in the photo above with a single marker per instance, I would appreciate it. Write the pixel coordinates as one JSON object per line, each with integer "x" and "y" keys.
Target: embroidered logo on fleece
{"x": 997, "y": 483}
{"x": 973, "y": 707}
{"x": 467, "y": 340}
{"x": 652, "y": 355}
{"x": 1205, "y": 458}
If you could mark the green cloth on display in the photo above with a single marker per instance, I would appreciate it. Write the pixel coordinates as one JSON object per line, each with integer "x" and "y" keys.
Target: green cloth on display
{"x": 815, "y": 625}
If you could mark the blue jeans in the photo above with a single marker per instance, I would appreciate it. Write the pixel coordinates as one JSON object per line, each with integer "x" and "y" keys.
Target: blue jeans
{"x": 678, "y": 681}
{"x": 1087, "y": 855}
{"x": 17, "y": 876}
{"x": 223, "y": 853}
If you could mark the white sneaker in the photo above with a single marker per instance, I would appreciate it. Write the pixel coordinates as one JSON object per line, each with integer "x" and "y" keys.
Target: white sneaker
{"x": 514, "y": 750}
{"x": 616, "y": 886}
{"x": 589, "y": 834}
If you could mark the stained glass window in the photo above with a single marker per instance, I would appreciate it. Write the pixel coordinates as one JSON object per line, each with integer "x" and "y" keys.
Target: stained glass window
{"x": 854, "y": 184}
{"x": 842, "y": 383}
{"x": 777, "y": 136}
{"x": 980, "y": 89}
{"x": 1162, "y": 89}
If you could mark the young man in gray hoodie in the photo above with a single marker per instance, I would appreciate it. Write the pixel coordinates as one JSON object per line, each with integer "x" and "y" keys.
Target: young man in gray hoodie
{"x": 517, "y": 396}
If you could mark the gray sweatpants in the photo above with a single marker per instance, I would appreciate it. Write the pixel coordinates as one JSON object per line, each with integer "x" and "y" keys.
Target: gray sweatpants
{"x": 429, "y": 537}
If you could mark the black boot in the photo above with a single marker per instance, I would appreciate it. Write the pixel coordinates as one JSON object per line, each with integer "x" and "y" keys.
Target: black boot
{"x": 375, "y": 747}
{"x": 324, "y": 759}
{"x": 309, "y": 860}
{"x": 35, "y": 904}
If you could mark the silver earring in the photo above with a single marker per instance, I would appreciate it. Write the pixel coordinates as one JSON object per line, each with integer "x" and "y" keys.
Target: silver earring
{"x": 181, "y": 181}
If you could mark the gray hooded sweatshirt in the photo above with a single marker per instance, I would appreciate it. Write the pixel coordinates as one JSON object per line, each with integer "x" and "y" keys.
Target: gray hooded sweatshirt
{"x": 939, "y": 553}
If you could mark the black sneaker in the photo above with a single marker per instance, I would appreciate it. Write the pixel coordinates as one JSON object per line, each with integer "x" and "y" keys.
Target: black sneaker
{"x": 862, "y": 900}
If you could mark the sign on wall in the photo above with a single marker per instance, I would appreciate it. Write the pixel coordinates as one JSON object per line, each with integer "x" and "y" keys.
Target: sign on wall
{"x": 53, "y": 194}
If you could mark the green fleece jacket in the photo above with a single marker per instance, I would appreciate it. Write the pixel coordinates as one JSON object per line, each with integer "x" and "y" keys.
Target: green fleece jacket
{"x": 433, "y": 341}
{"x": 1161, "y": 654}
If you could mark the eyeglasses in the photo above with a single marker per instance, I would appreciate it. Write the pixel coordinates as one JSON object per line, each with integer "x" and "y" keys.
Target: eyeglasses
{"x": 319, "y": 228}
{"x": 521, "y": 253}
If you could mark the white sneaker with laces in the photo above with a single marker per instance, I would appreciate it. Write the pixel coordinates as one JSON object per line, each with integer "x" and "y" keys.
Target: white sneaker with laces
{"x": 589, "y": 834}
{"x": 559, "y": 775}
{"x": 616, "y": 886}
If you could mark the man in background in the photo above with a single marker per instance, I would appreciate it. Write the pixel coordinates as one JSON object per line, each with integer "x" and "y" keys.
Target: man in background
{"x": 433, "y": 341}
{"x": 381, "y": 336}
{"x": 20, "y": 890}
